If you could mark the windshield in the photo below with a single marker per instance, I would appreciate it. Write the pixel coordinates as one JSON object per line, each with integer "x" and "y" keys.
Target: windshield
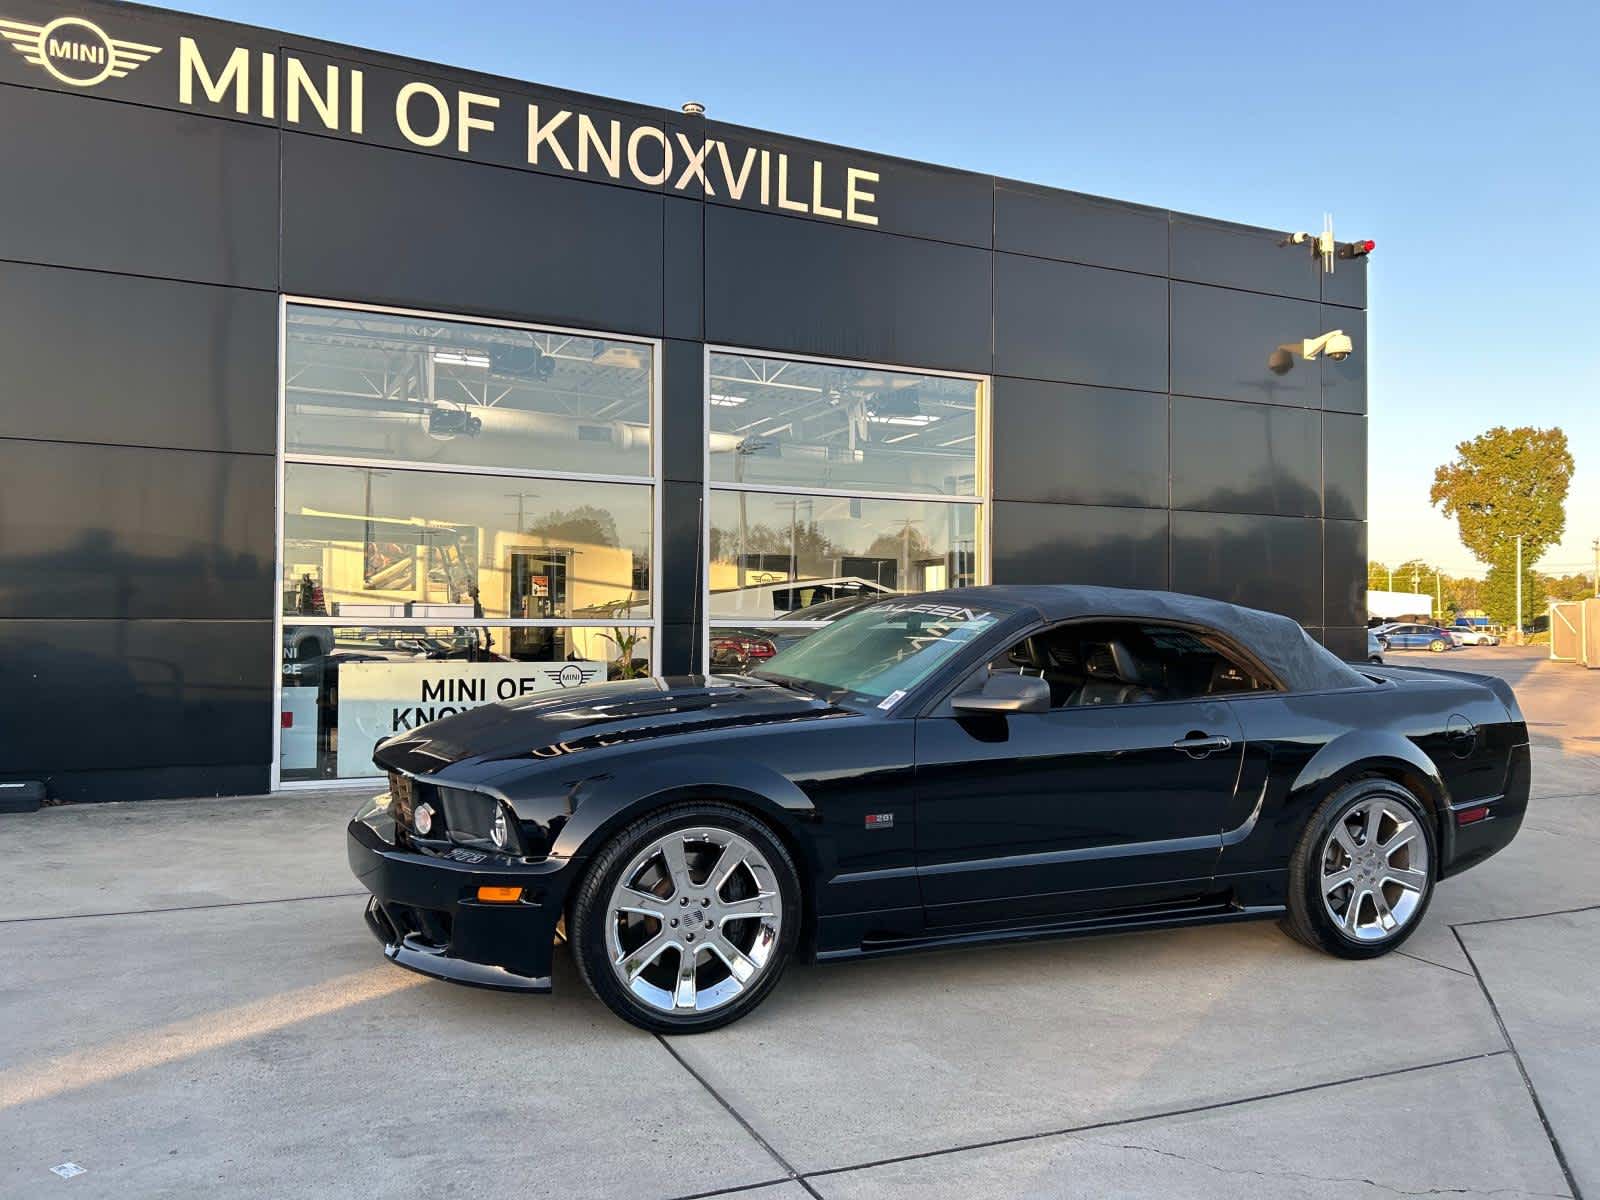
{"x": 883, "y": 649}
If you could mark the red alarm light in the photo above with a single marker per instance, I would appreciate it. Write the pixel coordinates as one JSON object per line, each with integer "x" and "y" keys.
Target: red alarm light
{"x": 1362, "y": 248}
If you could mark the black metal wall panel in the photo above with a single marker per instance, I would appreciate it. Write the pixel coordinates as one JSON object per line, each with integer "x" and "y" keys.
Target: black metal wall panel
{"x": 123, "y": 360}
{"x": 1241, "y": 256}
{"x": 121, "y": 695}
{"x": 1344, "y": 384}
{"x": 1223, "y": 343}
{"x": 679, "y": 557}
{"x": 683, "y": 410}
{"x": 1344, "y": 466}
{"x": 774, "y": 283}
{"x": 1347, "y": 284}
{"x": 1068, "y": 444}
{"x": 684, "y": 270}
{"x": 119, "y": 188}
{"x": 1344, "y": 566}
{"x": 1050, "y": 223}
{"x": 1079, "y": 324}
{"x": 1074, "y": 543}
{"x": 1246, "y": 458}
{"x": 1273, "y": 563}
{"x": 128, "y": 532}
{"x": 1349, "y": 643}
{"x": 391, "y": 227}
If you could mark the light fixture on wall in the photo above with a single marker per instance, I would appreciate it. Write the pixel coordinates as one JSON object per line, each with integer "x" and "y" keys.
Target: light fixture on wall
{"x": 1324, "y": 247}
{"x": 1335, "y": 344}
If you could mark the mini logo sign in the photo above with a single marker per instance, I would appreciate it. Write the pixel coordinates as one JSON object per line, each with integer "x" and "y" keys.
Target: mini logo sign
{"x": 572, "y": 675}
{"x": 75, "y": 51}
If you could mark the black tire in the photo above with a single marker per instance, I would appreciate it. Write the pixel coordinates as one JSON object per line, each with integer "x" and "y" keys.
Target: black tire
{"x": 588, "y": 915}
{"x": 1308, "y": 919}
{"x": 1438, "y": 646}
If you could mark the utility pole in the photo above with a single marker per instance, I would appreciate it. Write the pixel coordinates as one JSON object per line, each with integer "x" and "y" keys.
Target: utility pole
{"x": 1519, "y": 589}
{"x": 1438, "y": 596}
{"x": 1595, "y": 546}
{"x": 1391, "y": 577}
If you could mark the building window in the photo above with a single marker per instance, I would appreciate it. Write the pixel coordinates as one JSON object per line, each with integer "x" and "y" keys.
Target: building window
{"x": 828, "y": 481}
{"x": 468, "y": 515}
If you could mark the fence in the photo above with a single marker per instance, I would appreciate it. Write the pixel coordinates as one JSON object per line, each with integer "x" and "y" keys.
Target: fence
{"x": 1575, "y": 631}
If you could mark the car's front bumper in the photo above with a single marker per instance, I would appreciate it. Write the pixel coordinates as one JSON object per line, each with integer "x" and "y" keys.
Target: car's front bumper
{"x": 424, "y": 909}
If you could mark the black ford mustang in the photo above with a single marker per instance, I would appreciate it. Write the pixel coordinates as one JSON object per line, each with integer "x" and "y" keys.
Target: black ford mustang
{"x": 955, "y": 767}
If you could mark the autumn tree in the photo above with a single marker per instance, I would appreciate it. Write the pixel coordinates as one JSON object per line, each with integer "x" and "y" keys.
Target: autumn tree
{"x": 1505, "y": 483}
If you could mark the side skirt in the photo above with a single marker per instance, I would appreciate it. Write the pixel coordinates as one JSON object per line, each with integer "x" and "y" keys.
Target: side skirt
{"x": 1211, "y": 914}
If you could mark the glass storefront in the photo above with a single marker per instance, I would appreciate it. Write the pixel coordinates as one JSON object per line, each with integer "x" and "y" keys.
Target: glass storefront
{"x": 831, "y": 482}
{"x": 468, "y": 514}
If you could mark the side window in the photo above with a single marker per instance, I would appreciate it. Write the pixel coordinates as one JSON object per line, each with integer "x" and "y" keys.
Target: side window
{"x": 1127, "y": 662}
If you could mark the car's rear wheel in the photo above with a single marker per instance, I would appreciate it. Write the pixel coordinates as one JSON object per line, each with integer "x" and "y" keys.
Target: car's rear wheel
{"x": 1362, "y": 875}
{"x": 1438, "y": 645}
{"x": 687, "y": 918}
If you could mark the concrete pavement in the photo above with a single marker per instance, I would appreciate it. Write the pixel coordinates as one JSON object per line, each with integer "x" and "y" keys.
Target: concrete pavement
{"x": 191, "y": 1005}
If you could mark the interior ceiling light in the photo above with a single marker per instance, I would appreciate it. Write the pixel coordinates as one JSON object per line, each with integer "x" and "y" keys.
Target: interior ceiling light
{"x": 460, "y": 358}
{"x": 919, "y": 420}
{"x": 721, "y": 401}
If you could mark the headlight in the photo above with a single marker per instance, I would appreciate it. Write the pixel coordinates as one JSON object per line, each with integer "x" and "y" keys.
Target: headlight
{"x": 480, "y": 820}
{"x": 422, "y": 819}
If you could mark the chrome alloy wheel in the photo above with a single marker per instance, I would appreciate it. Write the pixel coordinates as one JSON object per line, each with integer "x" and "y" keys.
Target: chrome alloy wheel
{"x": 693, "y": 920}
{"x": 1374, "y": 869}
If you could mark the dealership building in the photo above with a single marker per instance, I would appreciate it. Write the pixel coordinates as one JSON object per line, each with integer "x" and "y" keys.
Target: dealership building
{"x": 342, "y": 390}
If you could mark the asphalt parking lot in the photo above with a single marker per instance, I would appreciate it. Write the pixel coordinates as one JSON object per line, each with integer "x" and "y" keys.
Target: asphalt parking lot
{"x": 192, "y": 1005}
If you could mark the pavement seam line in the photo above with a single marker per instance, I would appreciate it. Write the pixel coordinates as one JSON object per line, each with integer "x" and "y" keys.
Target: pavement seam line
{"x": 1431, "y": 963}
{"x": 739, "y": 1117}
{"x": 1167, "y": 1114}
{"x": 144, "y": 912}
{"x": 1555, "y": 912}
{"x": 1516, "y": 1056}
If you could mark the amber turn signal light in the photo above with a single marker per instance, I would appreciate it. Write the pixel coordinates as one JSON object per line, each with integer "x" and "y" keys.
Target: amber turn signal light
{"x": 499, "y": 895}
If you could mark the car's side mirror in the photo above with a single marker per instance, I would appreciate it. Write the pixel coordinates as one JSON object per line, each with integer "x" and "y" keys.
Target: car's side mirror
{"x": 1005, "y": 693}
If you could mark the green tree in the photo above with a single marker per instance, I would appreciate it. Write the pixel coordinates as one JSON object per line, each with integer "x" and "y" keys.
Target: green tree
{"x": 1500, "y": 593}
{"x": 1567, "y": 587}
{"x": 1505, "y": 483}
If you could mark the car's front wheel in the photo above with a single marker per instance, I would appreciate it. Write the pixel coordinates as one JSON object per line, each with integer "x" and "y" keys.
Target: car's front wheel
{"x": 686, "y": 919}
{"x": 1438, "y": 645}
{"x": 1363, "y": 873}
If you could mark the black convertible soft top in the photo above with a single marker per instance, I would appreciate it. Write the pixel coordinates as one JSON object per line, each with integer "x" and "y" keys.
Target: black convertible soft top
{"x": 1299, "y": 662}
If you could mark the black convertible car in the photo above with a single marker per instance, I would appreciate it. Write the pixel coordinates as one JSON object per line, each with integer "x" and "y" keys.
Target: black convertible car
{"x": 933, "y": 770}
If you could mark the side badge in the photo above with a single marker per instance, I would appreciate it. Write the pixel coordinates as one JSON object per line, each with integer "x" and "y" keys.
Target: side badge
{"x": 880, "y": 820}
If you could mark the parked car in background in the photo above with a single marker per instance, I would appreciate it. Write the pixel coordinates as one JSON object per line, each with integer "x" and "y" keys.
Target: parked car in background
{"x": 738, "y": 651}
{"x": 1473, "y": 635}
{"x": 1376, "y": 645}
{"x": 1418, "y": 637}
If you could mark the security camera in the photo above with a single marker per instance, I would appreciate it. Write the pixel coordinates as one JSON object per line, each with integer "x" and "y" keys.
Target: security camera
{"x": 1336, "y": 344}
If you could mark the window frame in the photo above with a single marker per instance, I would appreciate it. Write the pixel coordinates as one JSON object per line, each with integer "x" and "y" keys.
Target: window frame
{"x": 282, "y": 457}
{"x": 940, "y": 705}
{"x": 982, "y": 498}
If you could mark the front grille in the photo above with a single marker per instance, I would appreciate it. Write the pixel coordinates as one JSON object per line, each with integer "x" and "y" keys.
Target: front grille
{"x": 402, "y": 798}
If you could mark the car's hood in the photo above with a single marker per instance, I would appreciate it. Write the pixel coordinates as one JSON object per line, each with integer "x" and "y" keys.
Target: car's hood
{"x": 552, "y": 725}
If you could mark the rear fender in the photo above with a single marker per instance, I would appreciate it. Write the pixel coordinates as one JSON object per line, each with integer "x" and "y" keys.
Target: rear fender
{"x": 1366, "y": 752}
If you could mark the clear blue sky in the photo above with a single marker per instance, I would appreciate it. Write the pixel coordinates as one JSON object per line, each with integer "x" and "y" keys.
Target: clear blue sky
{"x": 1464, "y": 137}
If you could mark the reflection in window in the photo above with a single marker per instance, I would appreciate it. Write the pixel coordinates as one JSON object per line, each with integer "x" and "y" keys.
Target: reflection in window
{"x": 369, "y": 544}
{"x": 843, "y": 427}
{"x": 773, "y": 554}
{"x": 405, "y": 388}
{"x": 346, "y": 688}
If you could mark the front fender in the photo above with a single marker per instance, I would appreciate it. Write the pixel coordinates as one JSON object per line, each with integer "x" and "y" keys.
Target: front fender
{"x": 605, "y": 802}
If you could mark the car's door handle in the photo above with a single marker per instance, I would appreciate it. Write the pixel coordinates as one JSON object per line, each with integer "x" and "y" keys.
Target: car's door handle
{"x": 1198, "y": 745}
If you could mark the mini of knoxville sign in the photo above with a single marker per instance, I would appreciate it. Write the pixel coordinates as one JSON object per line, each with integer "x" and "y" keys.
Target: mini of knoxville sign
{"x": 335, "y": 97}
{"x": 380, "y": 699}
